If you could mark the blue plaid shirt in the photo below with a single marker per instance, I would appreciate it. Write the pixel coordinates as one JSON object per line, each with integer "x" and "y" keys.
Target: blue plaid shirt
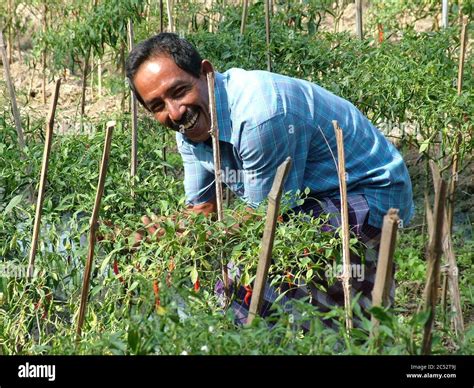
{"x": 265, "y": 117}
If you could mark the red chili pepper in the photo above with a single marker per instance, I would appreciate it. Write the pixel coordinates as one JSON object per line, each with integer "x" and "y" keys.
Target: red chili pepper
{"x": 248, "y": 295}
{"x": 156, "y": 291}
{"x": 116, "y": 271}
{"x": 289, "y": 277}
{"x": 197, "y": 285}
{"x": 280, "y": 218}
{"x": 380, "y": 28}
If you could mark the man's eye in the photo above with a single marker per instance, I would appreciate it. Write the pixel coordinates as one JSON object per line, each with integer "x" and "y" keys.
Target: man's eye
{"x": 180, "y": 92}
{"x": 157, "y": 108}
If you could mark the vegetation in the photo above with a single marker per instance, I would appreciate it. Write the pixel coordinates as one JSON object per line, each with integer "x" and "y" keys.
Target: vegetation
{"x": 158, "y": 298}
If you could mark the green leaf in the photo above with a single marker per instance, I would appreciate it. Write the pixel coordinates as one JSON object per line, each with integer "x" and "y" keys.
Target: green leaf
{"x": 424, "y": 146}
{"x": 133, "y": 286}
{"x": 194, "y": 274}
{"x": 14, "y": 202}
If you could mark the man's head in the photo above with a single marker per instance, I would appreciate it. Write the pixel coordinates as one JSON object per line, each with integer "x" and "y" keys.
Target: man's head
{"x": 169, "y": 78}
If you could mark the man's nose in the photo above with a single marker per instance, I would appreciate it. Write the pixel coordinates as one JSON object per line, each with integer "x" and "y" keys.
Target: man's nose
{"x": 176, "y": 112}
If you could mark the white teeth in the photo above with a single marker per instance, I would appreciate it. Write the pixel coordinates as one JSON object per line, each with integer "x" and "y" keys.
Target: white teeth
{"x": 192, "y": 122}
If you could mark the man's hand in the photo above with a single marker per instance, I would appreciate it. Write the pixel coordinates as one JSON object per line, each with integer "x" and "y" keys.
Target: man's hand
{"x": 205, "y": 208}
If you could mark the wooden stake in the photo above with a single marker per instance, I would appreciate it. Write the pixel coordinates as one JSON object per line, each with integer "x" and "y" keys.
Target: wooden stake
{"x": 43, "y": 54}
{"x": 267, "y": 34}
{"x": 433, "y": 260}
{"x": 134, "y": 109}
{"x": 169, "y": 7}
{"x": 99, "y": 76}
{"x": 245, "y": 7}
{"x": 161, "y": 16}
{"x": 451, "y": 276}
{"x": 384, "y": 273}
{"x": 92, "y": 77}
{"x": 346, "y": 273}
{"x": 93, "y": 227}
{"x": 84, "y": 83}
{"x": 217, "y": 172}
{"x": 359, "y": 29}
{"x": 44, "y": 173}
{"x": 11, "y": 91}
{"x": 444, "y": 14}
{"x": 264, "y": 260}
{"x": 10, "y": 31}
{"x": 215, "y": 144}
{"x": 462, "y": 54}
{"x": 458, "y": 141}
{"x": 211, "y": 17}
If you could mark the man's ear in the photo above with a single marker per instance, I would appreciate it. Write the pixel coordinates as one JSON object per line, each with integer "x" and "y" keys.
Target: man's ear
{"x": 206, "y": 67}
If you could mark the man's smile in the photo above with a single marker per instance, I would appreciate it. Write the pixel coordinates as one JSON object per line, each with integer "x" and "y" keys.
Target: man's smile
{"x": 191, "y": 123}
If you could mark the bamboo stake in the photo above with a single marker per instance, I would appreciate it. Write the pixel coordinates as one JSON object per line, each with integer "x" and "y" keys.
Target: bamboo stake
{"x": 217, "y": 170}
{"x": 384, "y": 273}
{"x": 215, "y": 144}
{"x": 93, "y": 226}
{"x": 245, "y": 7}
{"x": 44, "y": 173}
{"x": 43, "y": 54}
{"x": 359, "y": 29}
{"x": 462, "y": 54}
{"x": 20, "y": 56}
{"x": 346, "y": 273}
{"x": 455, "y": 161}
{"x": 264, "y": 260}
{"x": 444, "y": 14}
{"x": 267, "y": 34}
{"x": 169, "y": 7}
{"x": 433, "y": 260}
{"x": 92, "y": 77}
{"x": 10, "y": 31}
{"x": 451, "y": 277}
{"x": 134, "y": 109}
{"x": 161, "y": 16}
{"x": 99, "y": 77}
{"x": 84, "y": 83}
{"x": 11, "y": 91}
{"x": 211, "y": 18}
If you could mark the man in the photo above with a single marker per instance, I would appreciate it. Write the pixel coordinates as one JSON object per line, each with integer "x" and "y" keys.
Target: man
{"x": 263, "y": 118}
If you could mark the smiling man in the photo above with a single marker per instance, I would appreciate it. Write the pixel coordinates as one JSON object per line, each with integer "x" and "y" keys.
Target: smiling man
{"x": 263, "y": 118}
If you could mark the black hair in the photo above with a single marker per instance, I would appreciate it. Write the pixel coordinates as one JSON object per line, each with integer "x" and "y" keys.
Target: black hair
{"x": 179, "y": 49}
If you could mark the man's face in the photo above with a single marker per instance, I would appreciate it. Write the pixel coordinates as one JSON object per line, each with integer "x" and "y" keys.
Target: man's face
{"x": 176, "y": 99}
